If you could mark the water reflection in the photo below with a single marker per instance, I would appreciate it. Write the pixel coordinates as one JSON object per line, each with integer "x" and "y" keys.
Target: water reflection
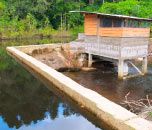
{"x": 24, "y": 100}
{"x": 107, "y": 84}
{"x": 26, "y": 104}
{"x": 62, "y": 123}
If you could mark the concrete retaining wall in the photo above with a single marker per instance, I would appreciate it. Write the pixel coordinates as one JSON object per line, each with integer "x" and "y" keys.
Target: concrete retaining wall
{"x": 150, "y": 47}
{"x": 116, "y": 47}
{"x": 81, "y": 36}
{"x": 112, "y": 114}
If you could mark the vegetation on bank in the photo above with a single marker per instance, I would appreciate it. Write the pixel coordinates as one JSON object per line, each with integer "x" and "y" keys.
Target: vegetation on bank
{"x": 21, "y": 19}
{"x": 29, "y": 27}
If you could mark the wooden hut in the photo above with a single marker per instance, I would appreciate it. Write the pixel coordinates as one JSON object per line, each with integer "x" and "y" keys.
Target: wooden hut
{"x": 117, "y": 37}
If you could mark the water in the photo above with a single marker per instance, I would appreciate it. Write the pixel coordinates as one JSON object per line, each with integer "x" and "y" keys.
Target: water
{"x": 26, "y": 104}
{"x": 105, "y": 82}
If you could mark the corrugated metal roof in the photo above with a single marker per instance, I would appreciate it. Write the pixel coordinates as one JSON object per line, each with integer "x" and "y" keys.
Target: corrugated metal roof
{"x": 112, "y": 15}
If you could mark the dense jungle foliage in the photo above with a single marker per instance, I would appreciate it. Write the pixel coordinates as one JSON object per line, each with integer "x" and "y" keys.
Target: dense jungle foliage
{"x": 26, "y": 18}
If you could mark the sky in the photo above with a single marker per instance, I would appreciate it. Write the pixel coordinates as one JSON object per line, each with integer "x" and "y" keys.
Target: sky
{"x": 73, "y": 122}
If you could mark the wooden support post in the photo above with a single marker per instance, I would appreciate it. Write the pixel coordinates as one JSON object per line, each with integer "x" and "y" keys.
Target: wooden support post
{"x": 144, "y": 65}
{"x": 120, "y": 69}
{"x": 90, "y": 60}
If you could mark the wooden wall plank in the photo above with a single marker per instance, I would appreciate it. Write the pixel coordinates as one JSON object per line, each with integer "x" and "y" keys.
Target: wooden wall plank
{"x": 136, "y": 32}
{"x": 91, "y": 29}
{"x": 112, "y": 32}
{"x": 90, "y": 25}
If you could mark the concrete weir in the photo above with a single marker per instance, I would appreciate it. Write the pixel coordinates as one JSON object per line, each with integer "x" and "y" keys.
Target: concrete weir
{"x": 113, "y": 115}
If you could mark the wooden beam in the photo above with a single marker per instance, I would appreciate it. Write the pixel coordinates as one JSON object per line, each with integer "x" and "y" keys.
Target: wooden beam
{"x": 135, "y": 75}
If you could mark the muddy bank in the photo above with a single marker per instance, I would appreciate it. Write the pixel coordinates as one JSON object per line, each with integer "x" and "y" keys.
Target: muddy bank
{"x": 59, "y": 59}
{"x": 64, "y": 61}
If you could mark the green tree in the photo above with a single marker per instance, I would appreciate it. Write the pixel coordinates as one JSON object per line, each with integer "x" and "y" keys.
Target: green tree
{"x": 129, "y": 7}
{"x": 2, "y": 6}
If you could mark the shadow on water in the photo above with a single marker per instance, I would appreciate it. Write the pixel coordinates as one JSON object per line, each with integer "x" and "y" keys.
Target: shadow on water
{"x": 25, "y": 103}
{"x": 106, "y": 83}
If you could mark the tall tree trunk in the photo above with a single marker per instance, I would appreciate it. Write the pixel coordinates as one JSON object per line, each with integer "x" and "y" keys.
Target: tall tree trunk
{"x": 79, "y": 5}
{"x": 61, "y": 26}
{"x": 91, "y": 2}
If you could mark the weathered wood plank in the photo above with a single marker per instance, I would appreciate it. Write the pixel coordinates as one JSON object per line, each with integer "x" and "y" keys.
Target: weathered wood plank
{"x": 113, "y": 32}
{"x": 136, "y": 32}
{"x": 90, "y": 25}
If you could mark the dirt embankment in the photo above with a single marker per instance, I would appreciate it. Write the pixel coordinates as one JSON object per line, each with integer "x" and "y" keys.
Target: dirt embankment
{"x": 59, "y": 59}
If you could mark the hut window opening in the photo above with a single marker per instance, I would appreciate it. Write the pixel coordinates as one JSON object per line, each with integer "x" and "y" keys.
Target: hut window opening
{"x": 117, "y": 22}
{"x": 149, "y": 24}
{"x": 136, "y": 24}
{"x": 125, "y": 23}
{"x": 106, "y": 22}
{"x": 145, "y": 24}
{"x": 130, "y": 23}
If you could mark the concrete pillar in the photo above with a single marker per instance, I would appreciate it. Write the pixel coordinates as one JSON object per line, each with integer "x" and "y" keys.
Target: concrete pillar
{"x": 81, "y": 59}
{"x": 144, "y": 65}
{"x": 125, "y": 69}
{"x": 120, "y": 69}
{"x": 90, "y": 60}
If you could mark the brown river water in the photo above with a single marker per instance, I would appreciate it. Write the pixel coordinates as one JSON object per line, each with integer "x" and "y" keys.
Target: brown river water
{"x": 105, "y": 82}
